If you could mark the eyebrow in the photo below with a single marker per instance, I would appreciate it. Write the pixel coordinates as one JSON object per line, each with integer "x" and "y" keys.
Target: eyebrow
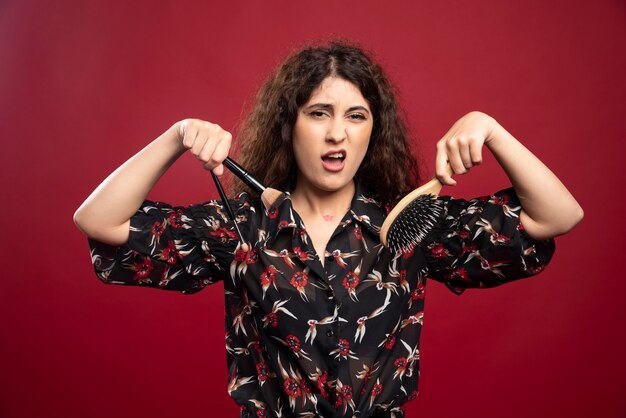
{"x": 330, "y": 106}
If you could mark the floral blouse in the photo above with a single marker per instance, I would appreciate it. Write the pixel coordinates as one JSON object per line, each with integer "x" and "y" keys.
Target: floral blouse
{"x": 310, "y": 340}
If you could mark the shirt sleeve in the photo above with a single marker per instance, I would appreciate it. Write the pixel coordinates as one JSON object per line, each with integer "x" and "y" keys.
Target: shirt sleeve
{"x": 174, "y": 247}
{"x": 482, "y": 243}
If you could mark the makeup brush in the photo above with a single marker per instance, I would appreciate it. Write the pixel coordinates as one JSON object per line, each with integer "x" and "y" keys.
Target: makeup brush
{"x": 413, "y": 217}
{"x": 268, "y": 195}
{"x": 229, "y": 210}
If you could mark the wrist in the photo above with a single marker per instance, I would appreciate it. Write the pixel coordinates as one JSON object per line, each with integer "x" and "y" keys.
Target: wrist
{"x": 175, "y": 137}
{"x": 496, "y": 134}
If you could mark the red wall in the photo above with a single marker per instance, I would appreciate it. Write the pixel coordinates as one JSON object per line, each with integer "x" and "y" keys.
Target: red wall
{"x": 84, "y": 84}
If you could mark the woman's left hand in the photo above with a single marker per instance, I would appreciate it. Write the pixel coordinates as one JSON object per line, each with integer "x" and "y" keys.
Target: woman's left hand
{"x": 548, "y": 208}
{"x": 462, "y": 145}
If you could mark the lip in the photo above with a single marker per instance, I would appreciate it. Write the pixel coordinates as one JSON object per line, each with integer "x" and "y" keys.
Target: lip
{"x": 335, "y": 151}
{"x": 335, "y": 165}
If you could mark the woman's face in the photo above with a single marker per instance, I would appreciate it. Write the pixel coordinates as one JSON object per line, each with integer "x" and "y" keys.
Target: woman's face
{"x": 331, "y": 136}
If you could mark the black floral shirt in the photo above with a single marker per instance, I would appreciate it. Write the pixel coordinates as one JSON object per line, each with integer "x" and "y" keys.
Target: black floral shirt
{"x": 310, "y": 340}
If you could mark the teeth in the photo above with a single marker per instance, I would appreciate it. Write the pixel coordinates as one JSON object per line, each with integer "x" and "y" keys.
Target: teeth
{"x": 335, "y": 155}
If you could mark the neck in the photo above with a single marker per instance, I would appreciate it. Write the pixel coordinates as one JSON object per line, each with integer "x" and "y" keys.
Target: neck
{"x": 329, "y": 206}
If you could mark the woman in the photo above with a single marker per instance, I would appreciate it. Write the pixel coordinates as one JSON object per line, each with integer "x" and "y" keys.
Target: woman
{"x": 322, "y": 320}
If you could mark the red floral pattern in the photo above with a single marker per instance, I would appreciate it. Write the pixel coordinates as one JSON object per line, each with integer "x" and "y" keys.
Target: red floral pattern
{"x": 301, "y": 337}
{"x": 350, "y": 281}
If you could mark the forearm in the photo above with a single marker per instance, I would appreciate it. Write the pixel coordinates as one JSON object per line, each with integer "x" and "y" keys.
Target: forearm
{"x": 106, "y": 213}
{"x": 549, "y": 209}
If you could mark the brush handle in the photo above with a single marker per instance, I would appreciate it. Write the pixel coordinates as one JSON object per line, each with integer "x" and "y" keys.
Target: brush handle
{"x": 243, "y": 175}
{"x": 269, "y": 196}
{"x": 229, "y": 210}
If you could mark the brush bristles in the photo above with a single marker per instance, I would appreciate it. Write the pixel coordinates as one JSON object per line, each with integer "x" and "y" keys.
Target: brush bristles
{"x": 414, "y": 222}
{"x": 270, "y": 196}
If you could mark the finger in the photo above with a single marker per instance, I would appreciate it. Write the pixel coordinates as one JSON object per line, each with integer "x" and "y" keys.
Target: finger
{"x": 441, "y": 164}
{"x": 206, "y": 153}
{"x": 219, "y": 170}
{"x": 203, "y": 138}
{"x": 217, "y": 150}
{"x": 476, "y": 152}
{"x": 191, "y": 131}
{"x": 223, "y": 147}
{"x": 454, "y": 157}
{"x": 464, "y": 153}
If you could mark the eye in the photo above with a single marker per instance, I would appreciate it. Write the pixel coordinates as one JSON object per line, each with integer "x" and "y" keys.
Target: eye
{"x": 357, "y": 116}
{"x": 318, "y": 114}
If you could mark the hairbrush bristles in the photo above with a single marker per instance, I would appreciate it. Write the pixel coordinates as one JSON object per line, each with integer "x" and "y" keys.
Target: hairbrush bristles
{"x": 413, "y": 217}
{"x": 414, "y": 222}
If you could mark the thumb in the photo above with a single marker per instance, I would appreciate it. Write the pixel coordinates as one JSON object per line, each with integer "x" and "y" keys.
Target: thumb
{"x": 219, "y": 170}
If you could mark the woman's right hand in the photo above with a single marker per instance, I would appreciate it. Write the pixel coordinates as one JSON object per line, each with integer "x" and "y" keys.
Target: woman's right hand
{"x": 207, "y": 141}
{"x": 105, "y": 214}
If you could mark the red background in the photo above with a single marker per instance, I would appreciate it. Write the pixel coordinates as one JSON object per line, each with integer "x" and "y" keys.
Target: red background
{"x": 84, "y": 84}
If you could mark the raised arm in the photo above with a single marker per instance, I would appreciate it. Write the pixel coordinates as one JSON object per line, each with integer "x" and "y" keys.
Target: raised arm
{"x": 548, "y": 208}
{"x": 105, "y": 215}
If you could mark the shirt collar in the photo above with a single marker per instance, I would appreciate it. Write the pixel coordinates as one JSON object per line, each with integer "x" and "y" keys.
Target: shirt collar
{"x": 280, "y": 217}
{"x": 364, "y": 209}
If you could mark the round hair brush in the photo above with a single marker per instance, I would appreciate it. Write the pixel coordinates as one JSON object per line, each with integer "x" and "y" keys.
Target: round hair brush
{"x": 413, "y": 217}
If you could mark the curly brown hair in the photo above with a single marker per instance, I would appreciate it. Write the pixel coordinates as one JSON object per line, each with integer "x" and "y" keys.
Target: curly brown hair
{"x": 389, "y": 168}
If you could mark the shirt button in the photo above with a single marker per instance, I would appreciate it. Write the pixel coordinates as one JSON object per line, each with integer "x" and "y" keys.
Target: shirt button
{"x": 330, "y": 333}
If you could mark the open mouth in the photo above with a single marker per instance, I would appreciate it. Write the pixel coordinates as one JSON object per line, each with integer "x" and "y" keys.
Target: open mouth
{"x": 341, "y": 155}
{"x": 333, "y": 161}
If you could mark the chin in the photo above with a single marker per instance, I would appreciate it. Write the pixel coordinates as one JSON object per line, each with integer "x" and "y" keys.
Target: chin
{"x": 335, "y": 186}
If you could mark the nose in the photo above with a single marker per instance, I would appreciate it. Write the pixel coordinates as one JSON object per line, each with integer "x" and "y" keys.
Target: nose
{"x": 336, "y": 130}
